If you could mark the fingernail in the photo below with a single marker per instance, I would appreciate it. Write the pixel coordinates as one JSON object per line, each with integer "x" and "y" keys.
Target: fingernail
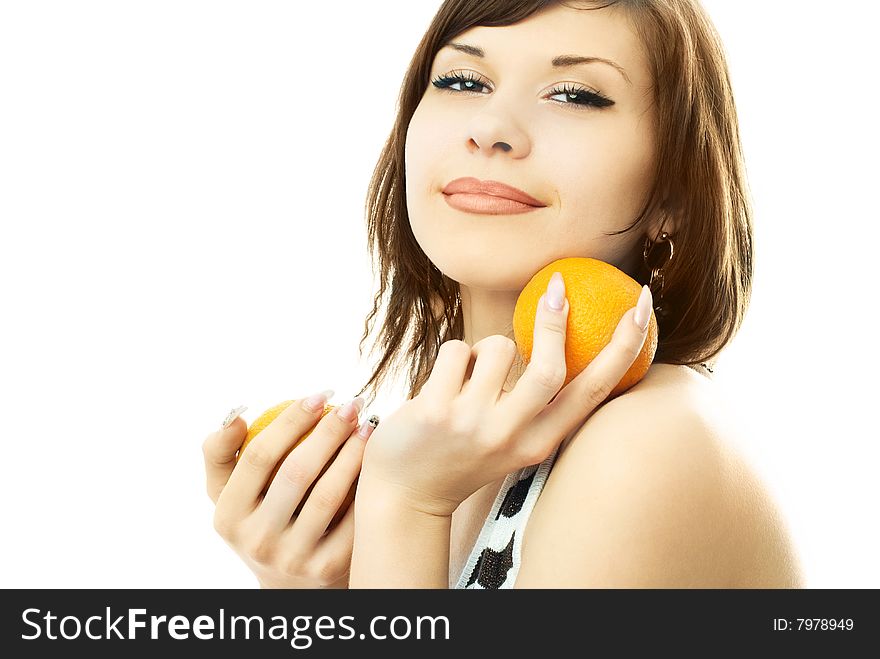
{"x": 368, "y": 426}
{"x": 555, "y": 298}
{"x": 351, "y": 410}
{"x": 317, "y": 402}
{"x": 643, "y": 309}
{"x": 232, "y": 416}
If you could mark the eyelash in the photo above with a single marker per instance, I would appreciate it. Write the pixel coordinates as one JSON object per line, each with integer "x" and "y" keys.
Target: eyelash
{"x": 590, "y": 100}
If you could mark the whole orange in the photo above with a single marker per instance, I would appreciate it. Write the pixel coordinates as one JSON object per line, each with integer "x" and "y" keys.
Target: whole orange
{"x": 264, "y": 420}
{"x": 598, "y": 295}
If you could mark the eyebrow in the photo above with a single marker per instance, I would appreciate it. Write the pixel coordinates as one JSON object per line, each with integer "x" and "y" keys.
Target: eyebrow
{"x": 558, "y": 62}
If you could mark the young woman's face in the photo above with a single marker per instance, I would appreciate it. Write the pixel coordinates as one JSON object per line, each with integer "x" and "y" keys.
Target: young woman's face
{"x": 579, "y": 139}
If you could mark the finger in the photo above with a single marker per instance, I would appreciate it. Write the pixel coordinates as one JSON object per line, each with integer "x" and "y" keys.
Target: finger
{"x": 339, "y": 542}
{"x": 593, "y": 385}
{"x": 219, "y": 450}
{"x": 447, "y": 375}
{"x": 492, "y": 359}
{"x": 331, "y": 489}
{"x": 304, "y": 464}
{"x": 546, "y": 370}
{"x": 255, "y": 465}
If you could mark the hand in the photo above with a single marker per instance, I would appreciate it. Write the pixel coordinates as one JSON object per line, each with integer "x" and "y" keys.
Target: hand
{"x": 283, "y": 550}
{"x": 460, "y": 434}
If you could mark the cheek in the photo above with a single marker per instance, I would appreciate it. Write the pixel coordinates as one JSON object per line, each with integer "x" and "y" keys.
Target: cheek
{"x": 421, "y": 156}
{"x": 423, "y": 150}
{"x": 607, "y": 177}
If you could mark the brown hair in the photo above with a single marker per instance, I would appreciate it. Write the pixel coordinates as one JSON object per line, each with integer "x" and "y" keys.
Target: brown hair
{"x": 700, "y": 176}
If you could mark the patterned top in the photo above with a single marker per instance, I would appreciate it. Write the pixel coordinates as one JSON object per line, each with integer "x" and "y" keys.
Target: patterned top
{"x": 495, "y": 559}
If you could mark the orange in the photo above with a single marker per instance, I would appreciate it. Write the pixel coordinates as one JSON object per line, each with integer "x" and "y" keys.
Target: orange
{"x": 598, "y": 295}
{"x": 264, "y": 420}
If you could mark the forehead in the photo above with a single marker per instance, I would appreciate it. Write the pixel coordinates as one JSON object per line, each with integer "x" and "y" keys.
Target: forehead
{"x": 559, "y": 30}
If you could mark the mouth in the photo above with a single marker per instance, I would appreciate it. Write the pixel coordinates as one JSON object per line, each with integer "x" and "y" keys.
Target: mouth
{"x": 486, "y": 204}
{"x": 472, "y": 195}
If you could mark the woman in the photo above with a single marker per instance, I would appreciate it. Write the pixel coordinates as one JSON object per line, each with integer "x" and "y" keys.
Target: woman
{"x": 617, "y": 122}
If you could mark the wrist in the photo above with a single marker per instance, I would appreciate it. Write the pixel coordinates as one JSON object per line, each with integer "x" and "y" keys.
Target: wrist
{"x": 379, "y": 497}
{"x": 398, "y": 543}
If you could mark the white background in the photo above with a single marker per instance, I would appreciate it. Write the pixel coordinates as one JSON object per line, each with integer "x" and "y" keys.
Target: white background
{"x": 182, "y": 188}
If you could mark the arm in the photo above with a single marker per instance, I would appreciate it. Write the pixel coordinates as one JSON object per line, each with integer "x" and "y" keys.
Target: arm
{"x": 397, "y": 545}
{"x": 459, "y": 434}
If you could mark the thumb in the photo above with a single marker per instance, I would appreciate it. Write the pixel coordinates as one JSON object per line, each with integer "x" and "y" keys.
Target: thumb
{"x": 219, "y": 450}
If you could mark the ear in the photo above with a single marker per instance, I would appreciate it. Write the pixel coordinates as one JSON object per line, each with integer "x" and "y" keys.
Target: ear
{"x": 667, "y": 218}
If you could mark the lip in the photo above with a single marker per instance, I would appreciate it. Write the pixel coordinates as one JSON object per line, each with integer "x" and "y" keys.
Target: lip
{"x": 484, "y": 204}
{"x": 474, "y": 190}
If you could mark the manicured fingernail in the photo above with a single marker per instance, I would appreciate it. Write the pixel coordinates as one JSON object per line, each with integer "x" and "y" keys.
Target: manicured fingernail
{"x": 232, "y": 416}
{"x": 555, "y": 298}
{"x": 351, "y": 410}
{"x": 317, "y": 402}
{"x": 643, "y": 309}
{"x": 368, "y": 426}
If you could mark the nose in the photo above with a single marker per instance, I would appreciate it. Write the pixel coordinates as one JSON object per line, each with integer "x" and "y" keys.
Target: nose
{"x": 491, "y": 128}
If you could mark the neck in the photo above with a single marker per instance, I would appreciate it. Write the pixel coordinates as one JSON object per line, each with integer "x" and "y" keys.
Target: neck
{"x": 485, "y": 313}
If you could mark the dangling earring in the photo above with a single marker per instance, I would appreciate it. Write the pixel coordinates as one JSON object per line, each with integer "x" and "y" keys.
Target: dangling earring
{"x": 657, "y": 279}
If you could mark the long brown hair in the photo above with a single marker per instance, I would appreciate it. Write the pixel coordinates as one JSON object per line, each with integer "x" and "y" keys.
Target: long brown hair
{"x": 707, "y": 284}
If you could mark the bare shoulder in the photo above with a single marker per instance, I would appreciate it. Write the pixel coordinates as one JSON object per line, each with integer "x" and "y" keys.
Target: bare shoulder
{"x": 651, "y": 492}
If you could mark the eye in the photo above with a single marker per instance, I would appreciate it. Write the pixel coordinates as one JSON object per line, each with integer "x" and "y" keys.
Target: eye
{"x": 580, "y": 97}
{"x": 469, "y": 81}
